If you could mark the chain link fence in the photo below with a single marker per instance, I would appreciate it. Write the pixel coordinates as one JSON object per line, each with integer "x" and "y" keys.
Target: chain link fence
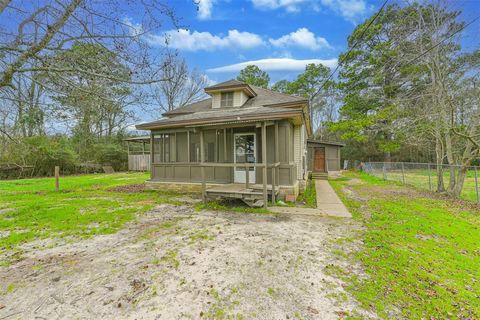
{"x": 425, "y": 175}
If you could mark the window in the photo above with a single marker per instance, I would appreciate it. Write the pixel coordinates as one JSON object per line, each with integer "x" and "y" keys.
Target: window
{"x": 226, "y": 99}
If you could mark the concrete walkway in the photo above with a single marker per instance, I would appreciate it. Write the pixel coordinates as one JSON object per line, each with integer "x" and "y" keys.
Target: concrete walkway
{"x": 328, "y": 204}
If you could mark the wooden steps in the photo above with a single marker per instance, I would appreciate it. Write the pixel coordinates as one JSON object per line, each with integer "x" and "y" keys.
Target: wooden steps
{"x": 252, "y": 196}
{"x": 320, "y": 175}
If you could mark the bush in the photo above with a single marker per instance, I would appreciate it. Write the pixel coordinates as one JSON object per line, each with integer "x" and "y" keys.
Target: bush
{"x": 72, "y": 154}
{"x": 111, "y": 154}
{"x": 41, "y": 152}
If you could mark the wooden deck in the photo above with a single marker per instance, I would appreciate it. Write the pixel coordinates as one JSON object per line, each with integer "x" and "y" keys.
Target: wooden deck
{"x": 252, "y": 196}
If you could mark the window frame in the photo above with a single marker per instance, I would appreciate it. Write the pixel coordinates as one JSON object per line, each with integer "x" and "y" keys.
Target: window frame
{"x": 226, "y": 98}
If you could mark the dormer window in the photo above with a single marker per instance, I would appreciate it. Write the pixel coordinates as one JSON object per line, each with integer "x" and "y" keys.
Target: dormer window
{"x": 226, "y": 99}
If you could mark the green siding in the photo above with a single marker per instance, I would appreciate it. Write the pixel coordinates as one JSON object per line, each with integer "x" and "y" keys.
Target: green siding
{"x": 181, "y": 167}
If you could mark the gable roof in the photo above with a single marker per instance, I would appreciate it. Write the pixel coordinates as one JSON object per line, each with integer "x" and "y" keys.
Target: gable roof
{"x": 231, "y": 85}
{"x": 227, "y": 84}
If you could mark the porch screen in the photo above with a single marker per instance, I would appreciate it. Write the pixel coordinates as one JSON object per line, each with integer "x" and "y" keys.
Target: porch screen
{"x": 163, "y": 147}
{"x": 194, "y": 147}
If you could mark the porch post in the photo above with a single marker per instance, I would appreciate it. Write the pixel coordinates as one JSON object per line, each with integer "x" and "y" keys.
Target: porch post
{"x": 277, "y": 154}
{"x": 151, "y": 154}
{"x": 202, "y": 168}
{"x": 188, "y": 146}
{"x": 225, "y": 145}
{"x": 173, "y": 157}
{"x": 164, "y": 158}
{"x": 273, "y": 185}
{"x": 216, "y": 146}
{"x": 264, "y": 160}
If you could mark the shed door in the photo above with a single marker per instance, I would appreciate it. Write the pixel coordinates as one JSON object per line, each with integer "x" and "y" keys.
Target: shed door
{"x": 319, "y": 159}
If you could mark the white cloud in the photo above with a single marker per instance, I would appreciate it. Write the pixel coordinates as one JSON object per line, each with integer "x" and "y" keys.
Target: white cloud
{"x": 351, "y": 10}
{"x": 205, "y": 9}
{"x": 303, "y": 38}
{"x": 275, "y": 64}
{"x": 289, "y": 5}
{"x": 135, "y": 29}
{"x": 194, "y": 41}
{"x": 187, "y": 40}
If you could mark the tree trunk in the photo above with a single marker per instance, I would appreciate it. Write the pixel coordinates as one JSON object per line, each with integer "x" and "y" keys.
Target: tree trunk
{"x": 450, "y": 159}
{"x": 457, "y": 190}
{"x": 460, "y": 178}
{"x": 439, "y": 158}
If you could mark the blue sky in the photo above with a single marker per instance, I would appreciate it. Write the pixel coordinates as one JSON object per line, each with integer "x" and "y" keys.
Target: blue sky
{"x": 280, "y": 36}
{"x": 224, "y": 33}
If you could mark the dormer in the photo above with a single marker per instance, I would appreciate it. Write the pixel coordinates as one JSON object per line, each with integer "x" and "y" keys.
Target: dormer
{"x": 230, "y": 94}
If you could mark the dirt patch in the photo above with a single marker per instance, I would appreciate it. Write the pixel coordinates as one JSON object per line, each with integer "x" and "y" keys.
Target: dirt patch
{"x": 5, "y": 210}
{"x": 353, "y": 195}
{"x": 354, "y": 181}
{"x": 131, "y": 188}
{"x": 175, "y": 263}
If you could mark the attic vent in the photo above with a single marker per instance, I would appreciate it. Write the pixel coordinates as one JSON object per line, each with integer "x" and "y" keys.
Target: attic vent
{"x": 226, "y": 99}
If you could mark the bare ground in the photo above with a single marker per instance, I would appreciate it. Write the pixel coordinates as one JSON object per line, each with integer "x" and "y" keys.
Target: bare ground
{"x": 174, "y": 263}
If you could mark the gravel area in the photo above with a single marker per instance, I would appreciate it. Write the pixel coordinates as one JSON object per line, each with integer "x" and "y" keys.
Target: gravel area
{"x": 175, "y": 263}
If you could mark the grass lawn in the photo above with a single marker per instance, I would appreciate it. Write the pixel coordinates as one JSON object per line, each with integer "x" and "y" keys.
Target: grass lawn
{"x": 86, "y": 205}
{"x": 420, "y": 252}
{"x": 420, "y": 179}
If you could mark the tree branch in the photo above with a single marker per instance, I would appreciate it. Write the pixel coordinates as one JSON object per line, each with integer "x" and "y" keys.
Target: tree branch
{"x": 7, "y": 76}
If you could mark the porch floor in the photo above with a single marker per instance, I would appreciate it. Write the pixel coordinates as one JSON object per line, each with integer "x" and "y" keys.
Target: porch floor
{"x": 253, "y": 195}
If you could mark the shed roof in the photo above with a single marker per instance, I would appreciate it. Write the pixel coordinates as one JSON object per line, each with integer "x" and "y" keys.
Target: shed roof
{"x": 330, "y": 143}
{"x": 138, "y": 139}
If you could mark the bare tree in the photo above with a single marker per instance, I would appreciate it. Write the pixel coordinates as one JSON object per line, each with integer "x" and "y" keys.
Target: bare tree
{"x": 182, "y": 87}
{"x": 36, "y": 31}
{"x": 54, "y": 25}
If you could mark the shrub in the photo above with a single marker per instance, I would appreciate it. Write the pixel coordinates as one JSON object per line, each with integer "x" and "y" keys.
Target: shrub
{"x": 111, "y": 154}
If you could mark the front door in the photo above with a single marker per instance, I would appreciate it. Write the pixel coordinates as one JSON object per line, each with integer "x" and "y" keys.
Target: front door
{"x": 319, "y": 160}
{"x": 244, "y": 152}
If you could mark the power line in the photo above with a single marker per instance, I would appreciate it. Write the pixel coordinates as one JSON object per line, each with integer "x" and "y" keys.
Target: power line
{"x": 437, "y": 44}
{"x": 355, "y": 44}
{"x": 445, "y": 39}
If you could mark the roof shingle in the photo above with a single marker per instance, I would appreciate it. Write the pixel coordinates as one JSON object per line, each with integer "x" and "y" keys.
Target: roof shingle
{"x": 265, "y": 102}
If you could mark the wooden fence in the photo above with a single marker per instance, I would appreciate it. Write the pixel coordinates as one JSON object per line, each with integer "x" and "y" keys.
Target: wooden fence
{"x": 139, "y": 162}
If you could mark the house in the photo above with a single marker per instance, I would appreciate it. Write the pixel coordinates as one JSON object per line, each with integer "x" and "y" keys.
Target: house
{"x": 242, "y": 142}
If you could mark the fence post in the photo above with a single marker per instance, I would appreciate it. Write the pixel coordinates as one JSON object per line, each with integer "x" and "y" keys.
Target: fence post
{"x": 429, "y": 178}
{"x": 403, "y": 173}
{"x": 57, "y": 176}
{"x": 476, "y": 185}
